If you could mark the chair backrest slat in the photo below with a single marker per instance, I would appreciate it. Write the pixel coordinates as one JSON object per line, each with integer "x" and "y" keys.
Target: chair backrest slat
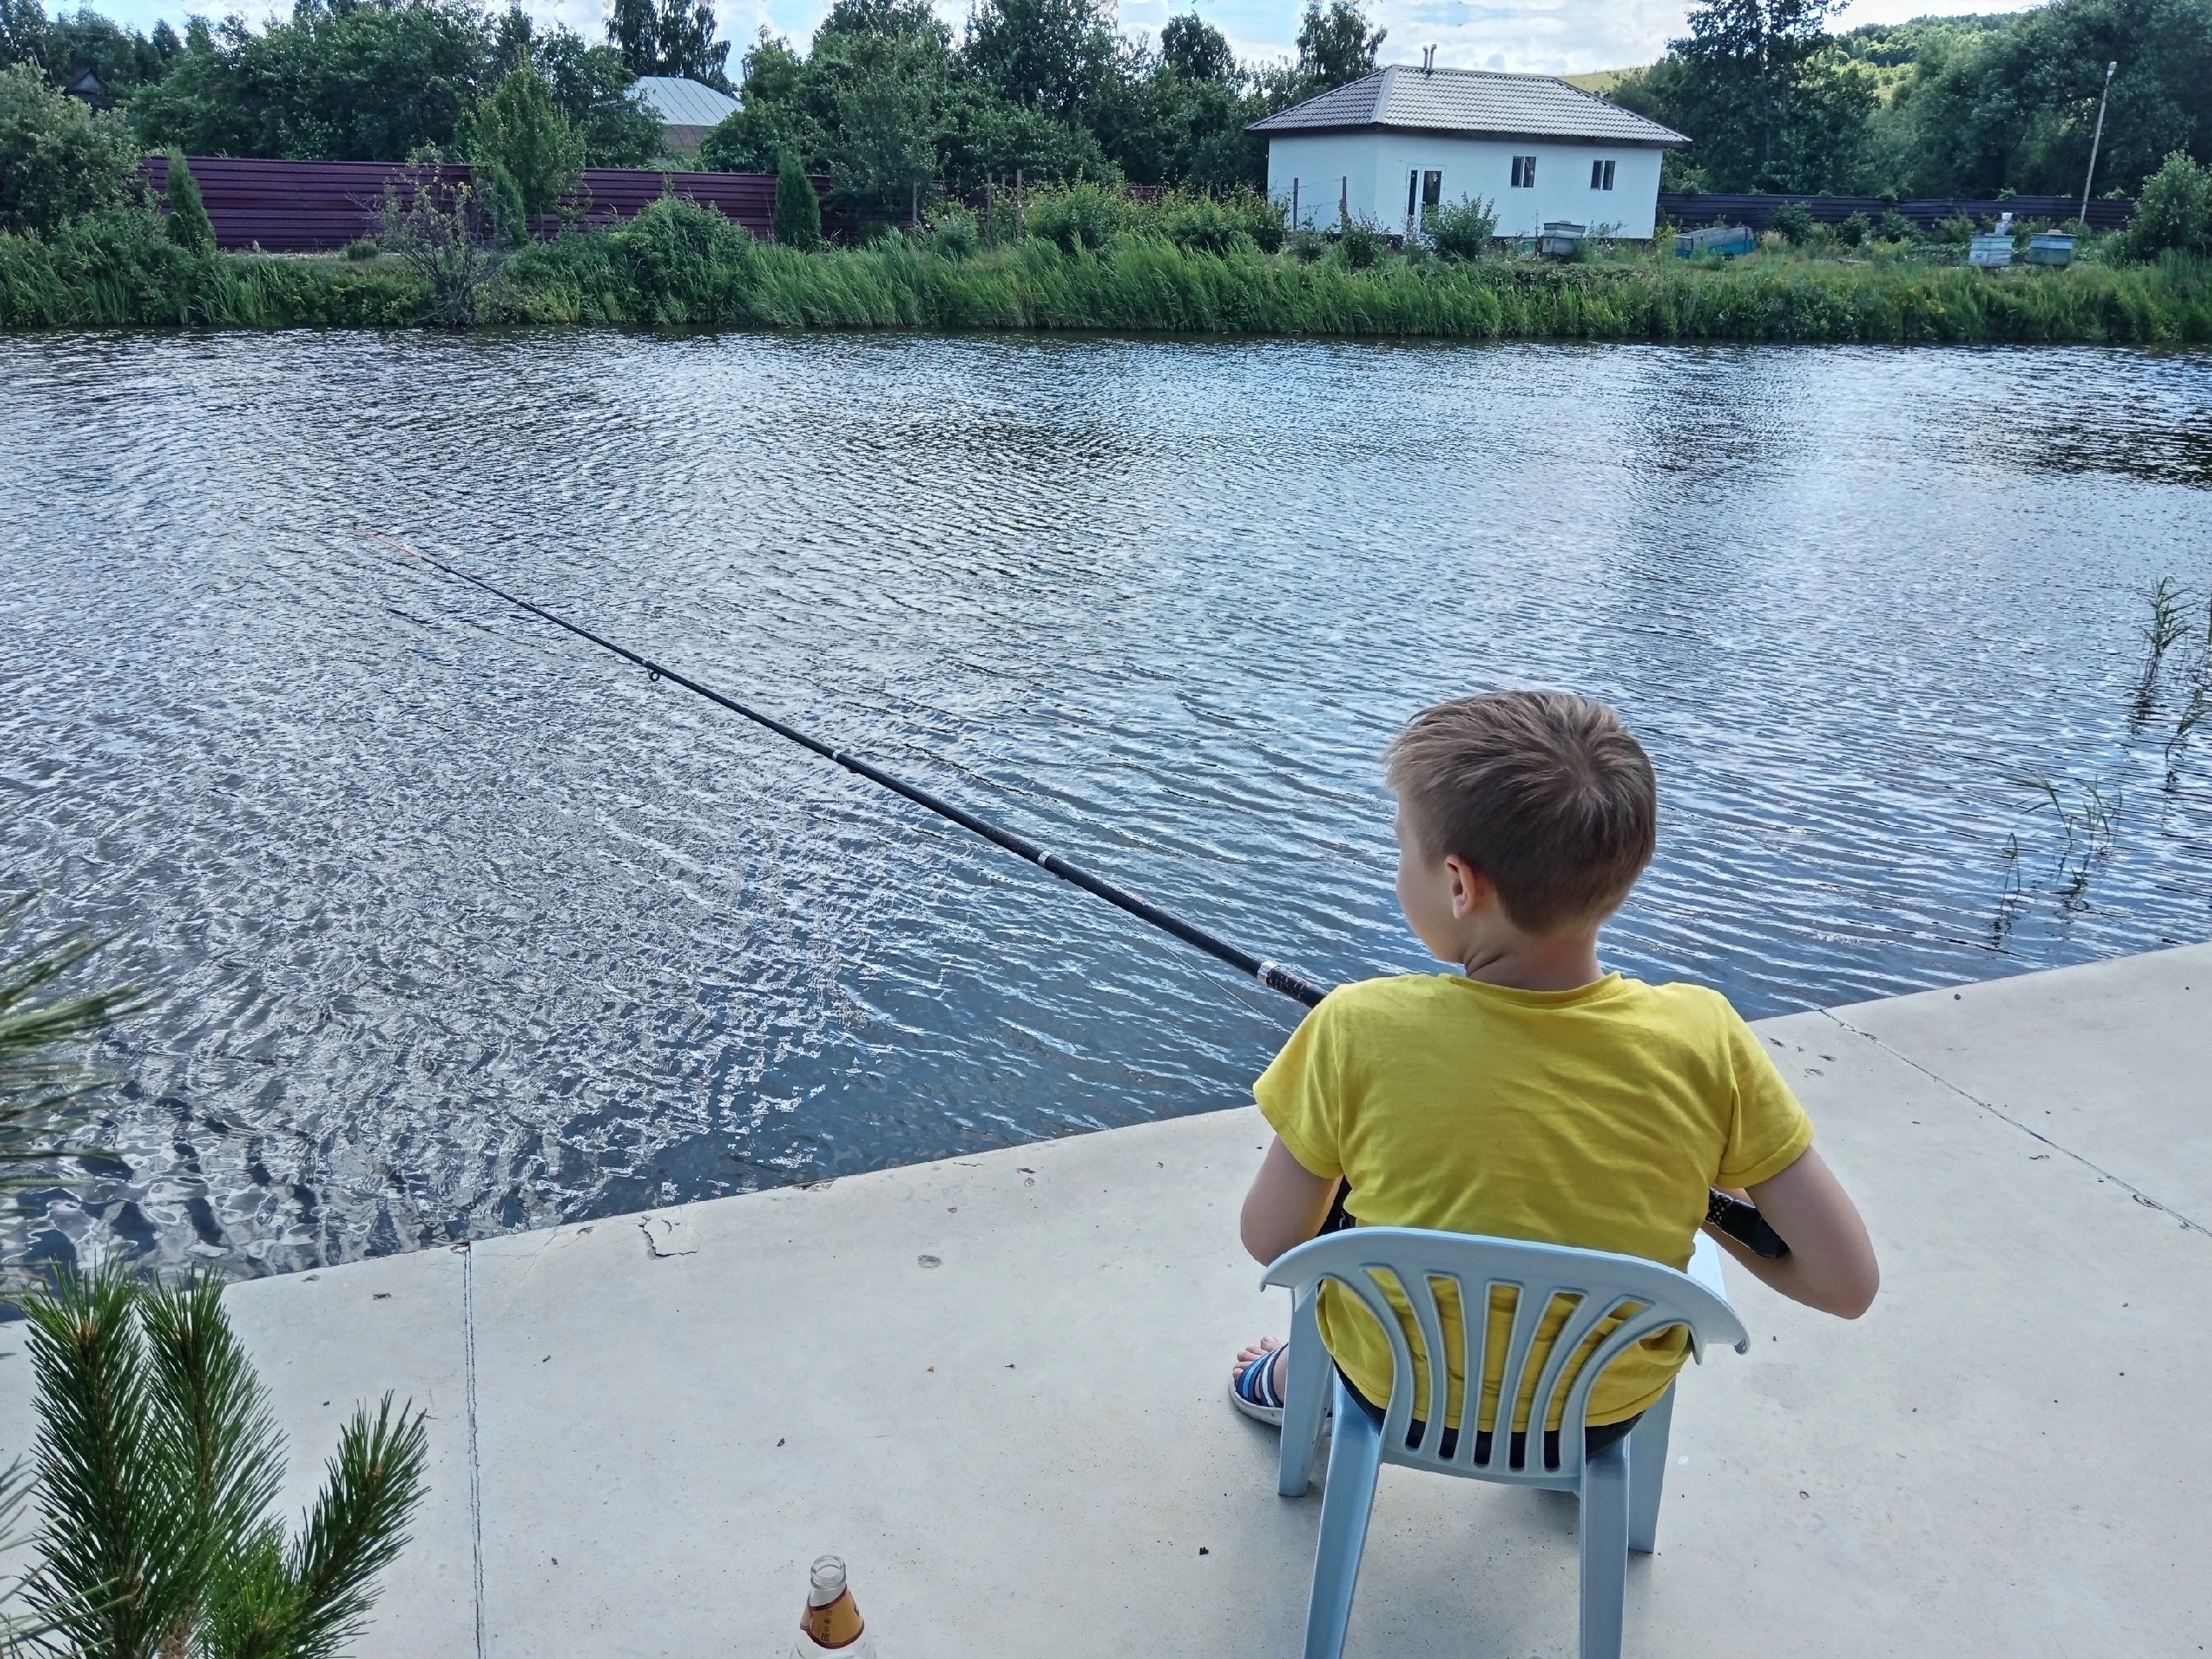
{"x": 1601, "y": 1284}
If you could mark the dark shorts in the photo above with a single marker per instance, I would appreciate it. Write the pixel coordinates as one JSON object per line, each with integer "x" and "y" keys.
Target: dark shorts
{"x": 1595, "y": 1438}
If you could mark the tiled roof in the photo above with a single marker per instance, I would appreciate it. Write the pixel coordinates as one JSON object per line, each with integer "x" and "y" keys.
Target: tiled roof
{"x": 676, "y": 102}
{"x": 1469, "y": 101}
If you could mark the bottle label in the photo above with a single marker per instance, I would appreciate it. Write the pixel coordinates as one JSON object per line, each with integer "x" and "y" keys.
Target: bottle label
{"x": 836, "y": 1625}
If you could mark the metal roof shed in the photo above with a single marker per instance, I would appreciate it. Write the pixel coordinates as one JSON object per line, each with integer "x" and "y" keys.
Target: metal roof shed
{"x": 1387, "y": 146}
{"x": 687, "y": 110}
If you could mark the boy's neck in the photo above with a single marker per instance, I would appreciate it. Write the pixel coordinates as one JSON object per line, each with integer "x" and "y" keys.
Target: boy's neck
{"x": 1539, "y": 962}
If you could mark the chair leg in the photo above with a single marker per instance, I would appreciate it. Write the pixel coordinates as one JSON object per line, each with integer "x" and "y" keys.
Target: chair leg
{"x": 1605, "y": 1550}
{"x": 1355, "y": 1458}
{"x": 1647, "y": 1473}
{"x": 1307, "y": 1382}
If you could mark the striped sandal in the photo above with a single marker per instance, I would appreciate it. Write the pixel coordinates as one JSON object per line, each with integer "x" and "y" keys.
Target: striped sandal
{"x": 1252, "y": 1391}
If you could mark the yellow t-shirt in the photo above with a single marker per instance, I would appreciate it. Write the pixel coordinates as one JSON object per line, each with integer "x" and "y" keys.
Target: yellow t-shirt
{"x": 1595, "y": 1117}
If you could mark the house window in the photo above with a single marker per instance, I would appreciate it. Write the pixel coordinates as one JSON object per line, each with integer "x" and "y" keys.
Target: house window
{"x": 1413, "y": 183}
{"x": 1432, "y": 189}
{"x": 1524, "y": 172}
{"x": 1601, "y": 175}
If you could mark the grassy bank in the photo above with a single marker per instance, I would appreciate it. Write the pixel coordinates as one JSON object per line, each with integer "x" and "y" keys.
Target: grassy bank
{"x": 678, "y": 266}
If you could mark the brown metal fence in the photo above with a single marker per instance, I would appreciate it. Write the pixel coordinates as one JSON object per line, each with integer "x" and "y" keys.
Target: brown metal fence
{"x": 314, "y": 206}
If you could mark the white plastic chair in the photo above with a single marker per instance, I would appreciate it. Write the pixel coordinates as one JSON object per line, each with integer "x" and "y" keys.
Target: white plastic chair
{"x": 1618, "y": 1488}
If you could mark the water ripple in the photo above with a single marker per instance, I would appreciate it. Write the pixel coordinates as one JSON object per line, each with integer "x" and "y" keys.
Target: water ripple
{"x": 460, "y": 927}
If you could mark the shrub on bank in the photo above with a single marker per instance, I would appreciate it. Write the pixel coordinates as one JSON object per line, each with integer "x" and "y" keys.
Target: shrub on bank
{"x": 678, "y": 265}
{"x": 120, "y": 269}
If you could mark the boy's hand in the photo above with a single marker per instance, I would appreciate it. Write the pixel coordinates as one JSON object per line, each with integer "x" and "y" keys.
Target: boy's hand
{"x": 1831, "y": 1262}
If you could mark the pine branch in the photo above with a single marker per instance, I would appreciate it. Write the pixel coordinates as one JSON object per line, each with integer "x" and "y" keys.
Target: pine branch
{"x": 37, "y": 1083}
{"x": 357, "y": 1528}
{"x": 115, "y": 1568}
{"x": 212, "y": 1416}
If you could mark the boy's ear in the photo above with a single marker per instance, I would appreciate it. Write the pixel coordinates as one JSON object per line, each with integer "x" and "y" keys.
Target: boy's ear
{"x": 1471, "y": 888}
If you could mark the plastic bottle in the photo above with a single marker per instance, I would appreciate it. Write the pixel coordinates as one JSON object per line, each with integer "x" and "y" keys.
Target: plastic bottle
{"x": 832, "y": 1623}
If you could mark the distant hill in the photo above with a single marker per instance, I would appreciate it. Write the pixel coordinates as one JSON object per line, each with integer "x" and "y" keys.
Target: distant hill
{"x": 1889, "y": 49}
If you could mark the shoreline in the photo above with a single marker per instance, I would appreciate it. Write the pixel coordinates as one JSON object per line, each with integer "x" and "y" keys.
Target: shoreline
{"x": 993, "y": 1383}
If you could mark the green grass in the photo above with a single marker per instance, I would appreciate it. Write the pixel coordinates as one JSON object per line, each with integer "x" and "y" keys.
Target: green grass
{"x": 677, "y": 265}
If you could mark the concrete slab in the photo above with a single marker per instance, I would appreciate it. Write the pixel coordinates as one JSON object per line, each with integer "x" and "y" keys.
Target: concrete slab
{"x": 2110, "y": 1061}
{"x": 995, "y": 1385}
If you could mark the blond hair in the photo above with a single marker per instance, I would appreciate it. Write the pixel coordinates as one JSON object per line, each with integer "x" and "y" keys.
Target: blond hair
{"x": 1544, "y": 793}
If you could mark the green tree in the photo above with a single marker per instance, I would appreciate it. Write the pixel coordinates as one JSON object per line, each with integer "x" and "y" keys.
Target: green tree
{"x": 157, "y": 1465}
{"x": 2173, "y": 211}
{"x": 1337, "y": 46}
{"x": 770, "y": 117}
{"x": 798, "y": 210}
{"x": 338, "y": 80}
{"x": 1054, "y": 56}
{"x": 1197, "y": 51}
{"x": 2015, "y": 105}
{"x": 58, "y": 160}
{"x": 889, "y": 120}
{"x": 591, "y": 86}
{"x": 521, "y": 131}
{"x": 189, "y": 226}
{"x": 676, "y": 38}
{"x": 62, "y": 46}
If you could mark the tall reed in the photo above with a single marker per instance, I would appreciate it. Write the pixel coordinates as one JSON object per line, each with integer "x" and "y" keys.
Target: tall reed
{"x": 678, "y": 264}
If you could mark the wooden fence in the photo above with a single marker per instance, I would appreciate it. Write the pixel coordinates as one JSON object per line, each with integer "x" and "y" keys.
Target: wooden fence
{"x": 314, "y": 206}
{"x": 2108, "y": 213}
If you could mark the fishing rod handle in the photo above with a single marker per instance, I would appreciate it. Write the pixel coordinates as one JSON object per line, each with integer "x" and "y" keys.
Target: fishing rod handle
{"x": 1277, "y": 977}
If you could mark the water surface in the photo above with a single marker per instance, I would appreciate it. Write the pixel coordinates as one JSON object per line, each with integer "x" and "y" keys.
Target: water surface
{"x": 459, "y": 926}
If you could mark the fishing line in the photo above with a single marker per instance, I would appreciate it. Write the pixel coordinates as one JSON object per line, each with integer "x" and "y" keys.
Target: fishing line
{"x": 1739, "y": 1220}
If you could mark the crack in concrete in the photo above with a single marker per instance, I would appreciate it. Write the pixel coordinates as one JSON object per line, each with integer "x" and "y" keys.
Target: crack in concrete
{"x": 475, "y": 1460}
{"x": 644, "y": 1226}
{"x": 2028, "y": 1129}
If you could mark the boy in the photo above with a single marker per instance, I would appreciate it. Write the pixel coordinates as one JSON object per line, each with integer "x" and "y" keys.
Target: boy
{"x": 1532, "y": 1094}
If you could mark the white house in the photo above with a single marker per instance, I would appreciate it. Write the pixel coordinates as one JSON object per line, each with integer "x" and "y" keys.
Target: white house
{"x": 1403, "y": 138}
{"x": 687, "y": 110}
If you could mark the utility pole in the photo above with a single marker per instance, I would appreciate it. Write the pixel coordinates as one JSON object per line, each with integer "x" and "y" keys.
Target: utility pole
{"x": 2110, "y": 69}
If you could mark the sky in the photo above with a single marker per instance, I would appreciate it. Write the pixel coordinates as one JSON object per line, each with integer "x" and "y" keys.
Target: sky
{"x": 1546, "y": 36}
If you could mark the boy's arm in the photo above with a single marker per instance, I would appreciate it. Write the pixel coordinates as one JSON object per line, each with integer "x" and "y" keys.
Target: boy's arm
{"x": 1831, "y": 1262}
{"x": 1286, "y": 1204}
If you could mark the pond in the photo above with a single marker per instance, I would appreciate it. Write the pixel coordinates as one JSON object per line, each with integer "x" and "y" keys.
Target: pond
{"x": 459, "y": 925}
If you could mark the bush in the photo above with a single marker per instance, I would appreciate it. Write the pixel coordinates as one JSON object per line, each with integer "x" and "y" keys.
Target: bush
{"x": 1463, "y": 229}
{"x": 189, "y": 228}
{"x": 1307, "y": 244}
{"x": 798, "y": 216}
{"x": 1198, "y": 225}
{"x": 1794, "y": 219}
{"x": 363, "y": 250}
{"x": 1363, "y": 244}
{"x": 58, "y": 161}
{"x": 955, "y": 237}
{"x": 1855, "y": 231}
{"x": 1895, "y": 227}
{"x": 1957, "y": 231}
{"x": 1078, "y": 216}
{"x": 2174, "y": 212}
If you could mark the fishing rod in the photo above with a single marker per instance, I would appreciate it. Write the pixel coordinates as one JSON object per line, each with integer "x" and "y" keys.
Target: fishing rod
{"x": 1739, "y": 1220}
{"x": 1274, "y": 975}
